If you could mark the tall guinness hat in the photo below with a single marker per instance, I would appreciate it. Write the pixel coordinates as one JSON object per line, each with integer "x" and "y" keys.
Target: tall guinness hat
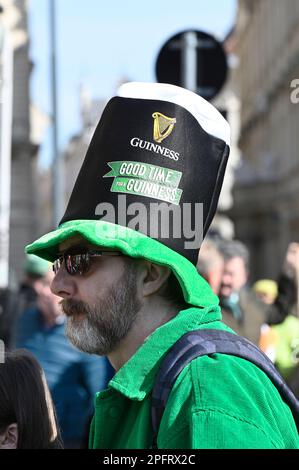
{"x": 150, "y": 181}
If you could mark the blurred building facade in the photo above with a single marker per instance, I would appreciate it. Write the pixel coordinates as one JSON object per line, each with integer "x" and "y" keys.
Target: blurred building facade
{"x": 228, "y": 102}
{"x": 22, "y": 167}
{"x": 72, "y": 157}
{"x": 6, "y": 103}
{"x": 266, "y": 204}
{"x": 91, "y": 111}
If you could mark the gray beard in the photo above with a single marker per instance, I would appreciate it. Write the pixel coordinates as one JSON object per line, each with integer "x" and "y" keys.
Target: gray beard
{"x": 108, "y": 321}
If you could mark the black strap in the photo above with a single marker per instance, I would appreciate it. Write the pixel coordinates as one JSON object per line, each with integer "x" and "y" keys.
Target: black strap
{"x": 209, "y": 341}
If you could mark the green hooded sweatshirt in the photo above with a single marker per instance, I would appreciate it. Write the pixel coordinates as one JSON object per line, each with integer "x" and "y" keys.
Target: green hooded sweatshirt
{"x": 218, "y": 401}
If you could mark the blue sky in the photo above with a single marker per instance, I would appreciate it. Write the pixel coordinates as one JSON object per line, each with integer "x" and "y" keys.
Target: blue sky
{"x": 101, "y": 41}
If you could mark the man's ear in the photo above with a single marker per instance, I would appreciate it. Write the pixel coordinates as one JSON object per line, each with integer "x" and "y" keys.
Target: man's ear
{"x": 9, "y": 438}
{"x": 154, "y": 277}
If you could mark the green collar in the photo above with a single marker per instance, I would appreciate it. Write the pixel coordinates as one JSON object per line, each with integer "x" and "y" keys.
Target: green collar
{"x": 135, "y": 379}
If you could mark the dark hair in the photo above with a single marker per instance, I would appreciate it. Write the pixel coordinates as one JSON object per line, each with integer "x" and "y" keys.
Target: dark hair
{"x": 170, "y": 291}
{"x": 232, "y": 249}
{"x": 173, "y": 293}
{"x": 25, "y": 399}
{"x": 31, "y": 277}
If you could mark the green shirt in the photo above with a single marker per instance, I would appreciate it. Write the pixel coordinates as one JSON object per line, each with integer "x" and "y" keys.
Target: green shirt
{"x": 218, "y": 401}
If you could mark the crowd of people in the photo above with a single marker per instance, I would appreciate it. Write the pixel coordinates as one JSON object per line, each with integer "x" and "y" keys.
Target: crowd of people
{"x": 265, "y": 312}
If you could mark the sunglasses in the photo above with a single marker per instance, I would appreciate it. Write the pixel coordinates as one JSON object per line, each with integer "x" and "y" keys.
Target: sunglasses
{"x": 79, "y": 263}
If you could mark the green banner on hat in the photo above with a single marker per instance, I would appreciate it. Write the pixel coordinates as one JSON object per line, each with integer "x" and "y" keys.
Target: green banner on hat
{"x": 145, "y": 171}
{"x": 146, "y": 188}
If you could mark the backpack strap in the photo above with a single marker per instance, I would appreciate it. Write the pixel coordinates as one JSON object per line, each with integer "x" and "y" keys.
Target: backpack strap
{"x": 202, "y": 342}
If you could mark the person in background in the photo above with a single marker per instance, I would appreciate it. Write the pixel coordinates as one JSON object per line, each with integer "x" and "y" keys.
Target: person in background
{"x": 73, "y": 377}
{"x": 210, "y": 264}
{"x": 279, "y": 337}
{"x": 240, "y": 309}
{"x": 266, "y": 290}
{"x": 35, "y": 269}
{"x": 27, "y": 414}
{"x": 15, "y": 302}
{"x": 8, "y": 316}
{"x": 286, "y": 302}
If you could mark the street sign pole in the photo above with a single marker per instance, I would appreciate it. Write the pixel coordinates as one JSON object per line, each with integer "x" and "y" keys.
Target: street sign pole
{"x": 189, "y": 61}
{"x": 194, "y": 60}
{"x": 57, "y": 166}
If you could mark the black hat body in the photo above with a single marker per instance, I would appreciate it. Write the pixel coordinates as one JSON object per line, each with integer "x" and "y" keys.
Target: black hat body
{"x": 155, "y": 164}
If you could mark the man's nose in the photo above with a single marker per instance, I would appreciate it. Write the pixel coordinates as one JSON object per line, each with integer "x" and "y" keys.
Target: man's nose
{"x": 63, "y": 284}
{"x": 226, "y": 278}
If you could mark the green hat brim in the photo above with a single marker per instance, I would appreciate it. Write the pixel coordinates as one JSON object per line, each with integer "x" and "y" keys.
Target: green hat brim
{"x": 196, "y": 290}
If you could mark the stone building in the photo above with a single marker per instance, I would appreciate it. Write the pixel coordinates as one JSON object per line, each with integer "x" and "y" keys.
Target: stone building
{"x": 91, "y": 111}
{"x": 6, "y": 99}
{"x": 266, "y": 203}
{"x": 228, "y": 102}
{"x": 72, "y": 159}
{"x": 22, "y": 225}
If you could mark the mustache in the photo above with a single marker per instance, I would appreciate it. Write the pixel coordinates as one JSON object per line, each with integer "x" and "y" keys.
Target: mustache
{"x": 74, "y": 307}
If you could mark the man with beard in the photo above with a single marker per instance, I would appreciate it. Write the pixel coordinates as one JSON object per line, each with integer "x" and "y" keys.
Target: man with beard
{"x": 104, "y": 316}
{"x": 130, "y": 288}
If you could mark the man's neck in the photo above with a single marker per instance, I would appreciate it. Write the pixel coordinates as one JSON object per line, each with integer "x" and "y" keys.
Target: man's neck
{"x": 151, "y": 316}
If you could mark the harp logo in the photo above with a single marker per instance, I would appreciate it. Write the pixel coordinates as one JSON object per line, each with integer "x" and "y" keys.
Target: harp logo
{"x": 163, "y": 126}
